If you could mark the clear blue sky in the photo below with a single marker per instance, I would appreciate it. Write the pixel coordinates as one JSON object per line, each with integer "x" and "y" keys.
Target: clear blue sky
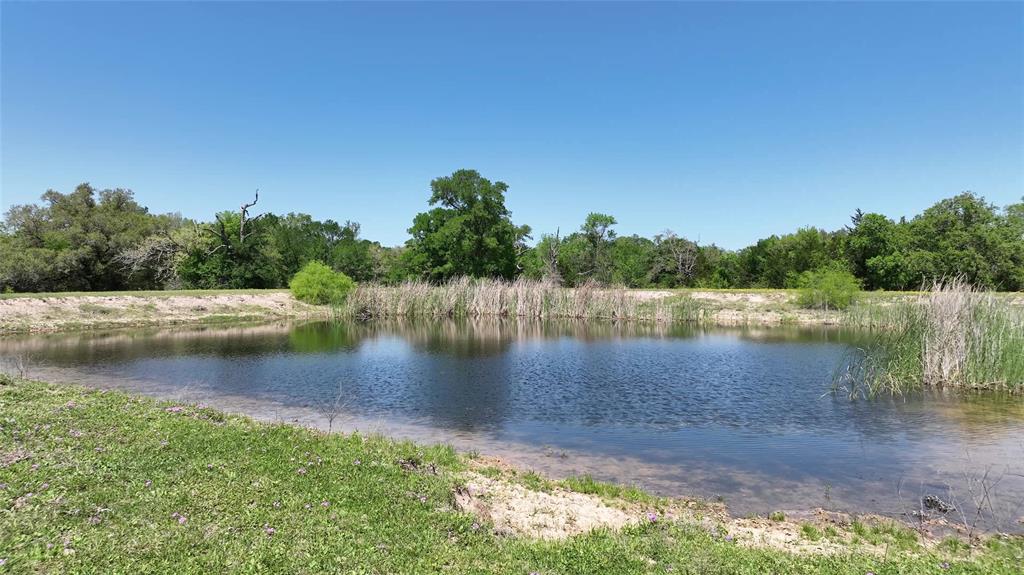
{"x": 727, "y": 122}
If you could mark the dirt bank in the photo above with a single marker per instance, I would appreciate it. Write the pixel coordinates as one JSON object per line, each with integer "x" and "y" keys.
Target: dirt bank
{"x": 69, "y": 312}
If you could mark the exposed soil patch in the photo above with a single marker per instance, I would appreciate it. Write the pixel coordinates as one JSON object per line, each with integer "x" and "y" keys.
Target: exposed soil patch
{"x": 37, "y": 314}
{"x": 555, "y": 512}
{"x": 516, "y": 510}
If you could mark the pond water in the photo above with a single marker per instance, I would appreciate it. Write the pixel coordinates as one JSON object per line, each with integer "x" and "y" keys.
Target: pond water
{"x": 743, "y": 414}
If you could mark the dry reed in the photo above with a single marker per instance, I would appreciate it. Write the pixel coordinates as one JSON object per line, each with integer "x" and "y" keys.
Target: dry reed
{"x": 521, "y": 298}
{"x": 952, "y": 336}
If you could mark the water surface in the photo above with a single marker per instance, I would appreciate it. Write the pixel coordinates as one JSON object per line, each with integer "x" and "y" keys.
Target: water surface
{"x": 743, "y": 414}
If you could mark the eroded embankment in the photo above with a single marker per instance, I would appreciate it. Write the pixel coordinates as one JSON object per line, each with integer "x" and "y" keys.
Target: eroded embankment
{"x": 71, "y": 312}
{"x": 524, "y": 504}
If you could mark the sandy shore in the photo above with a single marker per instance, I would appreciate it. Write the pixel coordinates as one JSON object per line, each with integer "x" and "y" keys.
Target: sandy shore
{"x": 72, "y": 312}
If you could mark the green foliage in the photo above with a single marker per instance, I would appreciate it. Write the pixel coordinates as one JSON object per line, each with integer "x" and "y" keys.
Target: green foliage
{"x": 828, "y": 288}
{"x": 632, "y": 258}
{"x": 71, "y": 242}
{"x": 810, "y": 532}
{"x": 318, "y": 284}
{"x": 469, "y": 233}
{"x": 88, "y": 241}
{"x": 222, "y": 258}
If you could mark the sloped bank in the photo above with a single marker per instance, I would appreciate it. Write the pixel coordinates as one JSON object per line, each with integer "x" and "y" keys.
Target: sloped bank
{"x": 59, "y": 312}
{"x": 96, "y": 481}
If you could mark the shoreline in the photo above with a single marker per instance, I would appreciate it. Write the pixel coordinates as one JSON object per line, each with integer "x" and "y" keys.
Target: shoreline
{"x": 504, "y": 502}
{"x": 57, "y": 312}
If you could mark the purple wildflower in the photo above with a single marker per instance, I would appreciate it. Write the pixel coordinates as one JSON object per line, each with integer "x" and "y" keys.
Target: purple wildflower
{"x": 652, "y": 517}
{"x": 325, "y": 503}
{"x": 944, "y": 565}
{"x": 356, "y": 462}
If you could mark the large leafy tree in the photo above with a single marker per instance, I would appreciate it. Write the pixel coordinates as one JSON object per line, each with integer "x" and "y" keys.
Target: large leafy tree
{"x": 72, "y": 241}
{"x": 965, "y": 235}
{"x": 229, "y": 255}
{"x": 468, "y": 232}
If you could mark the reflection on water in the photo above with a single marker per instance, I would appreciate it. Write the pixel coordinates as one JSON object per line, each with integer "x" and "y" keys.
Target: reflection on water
{"x": 741, "y": 413}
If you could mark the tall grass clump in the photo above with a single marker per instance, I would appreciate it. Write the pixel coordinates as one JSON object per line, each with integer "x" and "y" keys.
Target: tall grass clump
{"x": 522, "y": 298}
{"x": 952, "y": 336}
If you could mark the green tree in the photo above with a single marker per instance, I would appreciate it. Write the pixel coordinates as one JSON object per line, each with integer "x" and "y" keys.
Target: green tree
{"x": 597, "y": 231}
{"x": 230, "y": 255}
{"x": 72, "y": 241}
{"x": 632, "y": 258}
{"x": 963, "y": 235}
{"x": 470, "y": 232}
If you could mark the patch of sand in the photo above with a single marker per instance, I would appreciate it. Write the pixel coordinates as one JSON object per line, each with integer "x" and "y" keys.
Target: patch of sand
{"x": 82, "y": 312}
{"x": 515, "y": 510}
{"x": 559, "y": 513}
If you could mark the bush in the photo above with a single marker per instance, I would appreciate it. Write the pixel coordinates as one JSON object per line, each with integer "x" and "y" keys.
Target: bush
{"x": 828, "y": 288}
{"x": 318, "y": 284}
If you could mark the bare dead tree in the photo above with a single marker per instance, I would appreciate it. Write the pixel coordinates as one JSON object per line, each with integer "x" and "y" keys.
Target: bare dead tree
{"x": 157, "y": 254}
{"x": 333, "y": 407}
{"x": 683, "y": 253}
{"x": 550, "y": 257}
{"x": 244, "y": 213}
{"x": 220, "y": 229}
{"x": 17, "y": 365}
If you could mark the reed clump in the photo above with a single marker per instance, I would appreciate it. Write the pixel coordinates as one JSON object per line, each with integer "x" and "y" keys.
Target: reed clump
{"x": 521, "y": 298}
{"x": 951, "y": 336}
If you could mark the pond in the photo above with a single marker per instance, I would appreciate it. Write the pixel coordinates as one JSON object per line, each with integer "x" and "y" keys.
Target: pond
{"x": 746, "y": 415}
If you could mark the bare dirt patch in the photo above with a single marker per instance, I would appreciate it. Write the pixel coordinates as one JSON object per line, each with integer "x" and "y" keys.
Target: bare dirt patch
{"x": 516, "y": 510}
{"x": 556, "y": 512}
{"x": 31, "y": 314}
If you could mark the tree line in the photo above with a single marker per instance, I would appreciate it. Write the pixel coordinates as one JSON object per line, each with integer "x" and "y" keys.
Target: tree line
{"x": 89, "y": 240}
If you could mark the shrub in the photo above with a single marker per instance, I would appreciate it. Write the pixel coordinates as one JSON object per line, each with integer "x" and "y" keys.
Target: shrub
{"x": 318, "y": 284}
{"x": 828, "y": 288}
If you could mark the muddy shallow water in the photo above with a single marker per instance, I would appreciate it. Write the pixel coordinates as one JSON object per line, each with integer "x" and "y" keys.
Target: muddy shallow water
{"x": 742, "y": 414}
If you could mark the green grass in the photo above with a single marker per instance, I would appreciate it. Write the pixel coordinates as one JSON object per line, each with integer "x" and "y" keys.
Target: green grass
{"x": 810, "y": 532}
{"x": 890, "y": 534}
{"x": 104, "y": 482}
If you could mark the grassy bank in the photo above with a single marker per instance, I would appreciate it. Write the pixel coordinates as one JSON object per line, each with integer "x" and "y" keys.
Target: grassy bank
{"x": 103, "y": 482}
